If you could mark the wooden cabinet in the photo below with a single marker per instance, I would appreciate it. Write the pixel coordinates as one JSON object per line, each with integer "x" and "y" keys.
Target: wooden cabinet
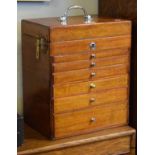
{"x": 76, "y": 80}
{"x": 76, "y": 76}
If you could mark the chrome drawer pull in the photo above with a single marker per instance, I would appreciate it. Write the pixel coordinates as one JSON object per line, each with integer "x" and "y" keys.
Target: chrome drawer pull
{"x": 93, "y": 119}
{"x": 93, "y": 56}
{"x": 93, "y": 64}
{"x": 92, "y": 46}
{"x": 92, "y": 99}
{"x": 92, "y": 85}
{"x": 93, "y": 74}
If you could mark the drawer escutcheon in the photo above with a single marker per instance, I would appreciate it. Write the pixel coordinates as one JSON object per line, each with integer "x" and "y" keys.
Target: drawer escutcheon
{"x": 92, "y": 46}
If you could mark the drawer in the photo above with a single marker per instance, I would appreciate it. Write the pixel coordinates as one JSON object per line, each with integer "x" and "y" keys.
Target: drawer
{"x": 71, "y": 89}
{"x": 90, "y": 55}
{"x": 87, "y": 74}
{"x": 76, "y": 46}
{"x": 85, "y": 31}
{"x": 77, "y": 102}
{"x": 76, "y": 65}
{"x": 91, "y": 119}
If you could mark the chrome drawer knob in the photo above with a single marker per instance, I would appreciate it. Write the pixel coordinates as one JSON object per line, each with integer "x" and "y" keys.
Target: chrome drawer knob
{"x": 92, "y": 85}
{"x": 93, "y": 119}
{"x": 93, "y": 74}
{"x": 92, "y": 99}
{"x": 93, "y": 56}
{"x": 93, "y": 64}
{"x": 92, "y": 46}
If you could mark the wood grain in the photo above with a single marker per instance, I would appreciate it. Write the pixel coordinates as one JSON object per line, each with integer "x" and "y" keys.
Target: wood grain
{"x": 76, "y": 65}
{"x": 113, "y": 146}
{"x": 77, "y": 102}
{"x": 85, "y": 74}
{"x": 62, "y": 90}
{"x": 36, "y": 90}
{"x": 73, "y": 123}
{"x": 36, "y": 143}
{"x": 34, "y": 30}
{"x": 76, "y": 46}
{"x": 54, "y": 22}
{"x": 123, "y": 9}
{"x": 94, "y": 30}
{"x": 87, "y": 55}
{"x": 63, "y": 74}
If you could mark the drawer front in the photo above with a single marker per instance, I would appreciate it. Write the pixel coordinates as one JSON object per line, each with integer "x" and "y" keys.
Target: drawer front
{"x": 90, "y": 55}
{"x": 90, "y": 31}
{"x": 71, "y": 47}
{"x": 91, "y": 119}
{"x": 76, "y": 65}
{"x": 89, "y": 100}
{"x": 86, "y": 74}
{"x": 87, "y": 87}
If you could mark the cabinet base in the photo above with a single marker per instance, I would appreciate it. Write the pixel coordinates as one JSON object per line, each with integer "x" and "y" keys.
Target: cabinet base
{"x": 114, "y": 141}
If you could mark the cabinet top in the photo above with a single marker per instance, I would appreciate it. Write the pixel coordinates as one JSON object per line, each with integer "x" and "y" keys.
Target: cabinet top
{"x": 73, "y": 21}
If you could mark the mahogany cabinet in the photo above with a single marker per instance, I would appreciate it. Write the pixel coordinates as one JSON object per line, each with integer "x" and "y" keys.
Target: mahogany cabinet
{"x": 76, "y": 76}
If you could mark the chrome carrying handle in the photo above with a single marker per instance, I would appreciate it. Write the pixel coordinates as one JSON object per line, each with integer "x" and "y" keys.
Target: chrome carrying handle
{"x": 87, "y": 18}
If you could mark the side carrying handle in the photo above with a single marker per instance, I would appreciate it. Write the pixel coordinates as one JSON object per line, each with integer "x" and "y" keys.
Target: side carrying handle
{"x": 87, "y": 18}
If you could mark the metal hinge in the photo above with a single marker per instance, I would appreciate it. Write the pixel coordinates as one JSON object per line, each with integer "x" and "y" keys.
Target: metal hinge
{"x": 42, "y": 45}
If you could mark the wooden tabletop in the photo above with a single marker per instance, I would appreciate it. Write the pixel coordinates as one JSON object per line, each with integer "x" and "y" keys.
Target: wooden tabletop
{"x": 36, "y": 143}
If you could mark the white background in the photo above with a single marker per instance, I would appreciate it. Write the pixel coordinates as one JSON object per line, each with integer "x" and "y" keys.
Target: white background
{"x": 146, "y": 77}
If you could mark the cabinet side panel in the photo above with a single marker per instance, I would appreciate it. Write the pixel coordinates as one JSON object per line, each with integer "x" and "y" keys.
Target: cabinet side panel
{"x": 36, "y": 82}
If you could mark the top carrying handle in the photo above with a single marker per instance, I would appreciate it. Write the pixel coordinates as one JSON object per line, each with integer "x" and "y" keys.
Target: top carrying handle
{"x": 87, "y": 18}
